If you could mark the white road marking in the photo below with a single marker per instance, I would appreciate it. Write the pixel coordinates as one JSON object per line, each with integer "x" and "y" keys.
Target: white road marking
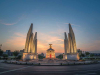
{"x": 14, "y": 70}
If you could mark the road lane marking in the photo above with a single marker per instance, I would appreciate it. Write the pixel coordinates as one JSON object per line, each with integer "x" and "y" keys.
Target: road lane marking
{"x": 14, "y": 69}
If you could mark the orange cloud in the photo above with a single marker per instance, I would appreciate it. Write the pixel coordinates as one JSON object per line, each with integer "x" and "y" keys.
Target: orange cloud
{"x": 41, "y": 47}
{"x": 17, "y": 42}
{"x": 92, "y": 47}
{"x": 46, "y": 39}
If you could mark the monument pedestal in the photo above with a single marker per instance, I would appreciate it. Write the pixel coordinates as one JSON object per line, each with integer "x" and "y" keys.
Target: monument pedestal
{"x": 29, "y": 56}
{"x": 71, "y": 56}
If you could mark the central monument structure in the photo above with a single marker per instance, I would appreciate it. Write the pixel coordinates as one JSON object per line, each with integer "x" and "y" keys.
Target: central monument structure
{"x": 50, "y": 54}
{"x": 70, "y": 46}
{"x": 30, "y": 51}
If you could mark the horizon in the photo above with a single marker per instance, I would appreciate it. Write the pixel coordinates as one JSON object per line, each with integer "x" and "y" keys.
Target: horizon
{"x": 50, "y": 20}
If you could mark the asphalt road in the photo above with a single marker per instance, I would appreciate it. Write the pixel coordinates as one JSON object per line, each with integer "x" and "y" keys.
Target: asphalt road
{"x": 14, "y": 69}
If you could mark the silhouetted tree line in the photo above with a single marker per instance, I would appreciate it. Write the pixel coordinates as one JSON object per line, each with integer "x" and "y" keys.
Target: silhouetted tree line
{"x": 60, "y": 56}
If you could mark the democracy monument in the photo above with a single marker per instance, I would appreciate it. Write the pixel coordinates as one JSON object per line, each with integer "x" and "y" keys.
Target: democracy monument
{"x": 70, "y": 46}
{"x": 70, "y": 55}
{"x": 30, "y": 51}
{"x": 50, "y": 53}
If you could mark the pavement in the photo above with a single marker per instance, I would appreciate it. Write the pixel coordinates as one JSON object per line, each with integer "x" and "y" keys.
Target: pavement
{"x": 15, "y": 69}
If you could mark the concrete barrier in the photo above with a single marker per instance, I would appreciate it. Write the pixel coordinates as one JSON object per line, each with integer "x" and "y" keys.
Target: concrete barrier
{"x": 49, "y": 63}
{"x": 14, "y": 62}
{"x": 29, "y": 63}
{"x": 81, "y": 63}
{"x": 18, "y": 62}
{"x": 2, "y": 60}
{"x": 8, "y": 61}
{"x": 36, "y": 64}
{"x": 76, "y": 63}
{"x": 23, "y": 63}
{"x": 56, "y": 63}
{"x": 87, "y": 62}
{"x": 71, "y": 63}
{"x": 65, "y": 64}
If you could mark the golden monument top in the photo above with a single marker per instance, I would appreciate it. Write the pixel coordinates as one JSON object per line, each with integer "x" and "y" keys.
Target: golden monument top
{"x": 50, "y": 45}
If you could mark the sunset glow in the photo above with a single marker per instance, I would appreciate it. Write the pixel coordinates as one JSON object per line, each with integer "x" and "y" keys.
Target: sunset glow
{"x": 50, "y": 20}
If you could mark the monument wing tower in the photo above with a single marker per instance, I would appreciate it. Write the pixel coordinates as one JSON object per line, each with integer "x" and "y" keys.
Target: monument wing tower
{"x": 66, "y": 44}
{"x": 70, "y": 46}
{"x": 28, "y": 38}
{"x": 73, "y": 48}
{"x": 35, "y": 42}
{"x": 30, "y": 51}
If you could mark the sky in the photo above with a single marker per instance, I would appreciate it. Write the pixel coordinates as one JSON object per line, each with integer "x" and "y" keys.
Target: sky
{"x": 50, "y": 20}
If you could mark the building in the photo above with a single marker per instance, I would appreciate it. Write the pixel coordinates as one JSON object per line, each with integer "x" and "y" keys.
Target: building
{"x": 70, "y": 46}
{"x": 21, "y": 52}
{"x": 50, "y": 53}
{"x": 95, "y": 54}
{"x": 8, "y": 52}
{"x": 30, "y": 51}
{"x": 79, "y": 51}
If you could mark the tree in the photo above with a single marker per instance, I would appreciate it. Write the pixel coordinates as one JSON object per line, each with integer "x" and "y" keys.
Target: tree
{"x": 1, "y": 52}
{"x": 15, "y": 53}
{"x": 5, "y": 55}
{"x": 82, "y": 55}
{"x": 19, "y": 57}
{"x": 87, "y": 53}
{"x": 91, "y": 55}
{"x": 40, "y": 57}
{"x": 60, "y": 56}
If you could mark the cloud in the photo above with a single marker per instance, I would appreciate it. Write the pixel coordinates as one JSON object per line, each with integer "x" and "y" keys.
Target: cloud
{"x": 49, "y": 38}
{"x": 17, "y": 39}
{"x": 17, "y": 42}
{"x": 41, "y": 47}
{"x": 45, "y": 40}
{"x": 9, "y": 23}
{"x": 60, "y": 30}
{"x": 94, "y": 46}
{"x": 19, "y": 19}
{"x": 20, "y": 34}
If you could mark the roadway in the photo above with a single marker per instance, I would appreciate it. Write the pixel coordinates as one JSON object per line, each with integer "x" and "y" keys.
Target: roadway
{"x": 14, "y": 69}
